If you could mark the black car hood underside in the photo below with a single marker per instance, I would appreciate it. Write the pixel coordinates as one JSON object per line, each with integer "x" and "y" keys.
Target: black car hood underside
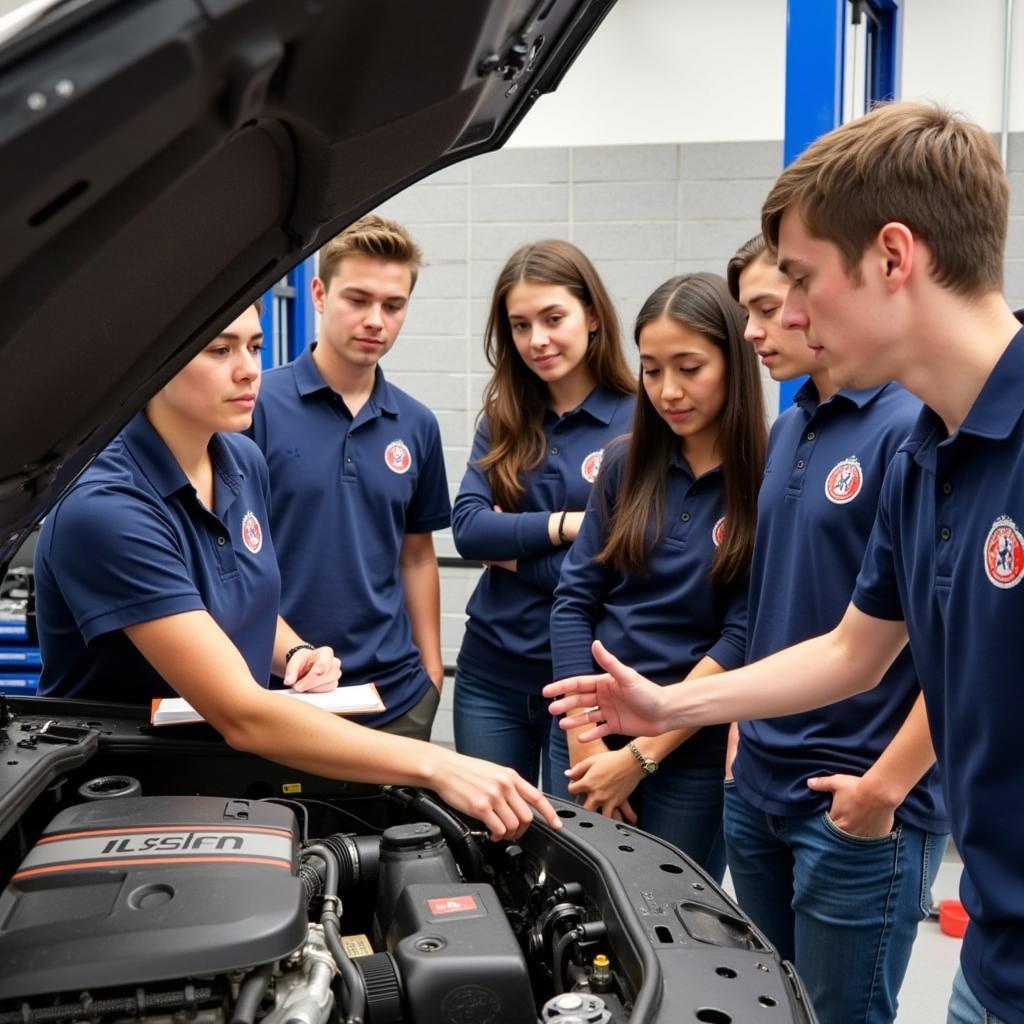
{"x": 166, "y": 161}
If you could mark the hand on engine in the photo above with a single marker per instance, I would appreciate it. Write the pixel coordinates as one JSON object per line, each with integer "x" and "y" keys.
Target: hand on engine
{"x": 494, "y": 794}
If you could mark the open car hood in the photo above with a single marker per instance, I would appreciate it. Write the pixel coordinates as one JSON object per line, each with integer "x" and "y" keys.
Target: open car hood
{"x": 166, "y": 161}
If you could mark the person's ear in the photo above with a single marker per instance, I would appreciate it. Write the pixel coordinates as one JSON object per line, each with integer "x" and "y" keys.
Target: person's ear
{"x": 896, "y": 251}
{"x": 318, "y": 293}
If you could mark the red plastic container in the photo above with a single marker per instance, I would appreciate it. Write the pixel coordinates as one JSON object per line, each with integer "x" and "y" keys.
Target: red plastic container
{"x": 953, "y": 918}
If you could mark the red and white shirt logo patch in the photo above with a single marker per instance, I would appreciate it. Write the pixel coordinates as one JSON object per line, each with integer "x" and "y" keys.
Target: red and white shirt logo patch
{"x": 592, "y": 465}
{"x": 252, "y": 533}
{"x": 397, "y": 457}
{"x": 845, "y": 481}
{"x": 1004, "y": 554}
{"x": 718, "y": 532}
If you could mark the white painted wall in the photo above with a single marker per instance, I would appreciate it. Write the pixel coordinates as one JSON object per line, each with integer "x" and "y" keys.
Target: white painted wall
{"x": 700, "y": 71}
{"x": 671, "y": 71}
{"x": 953, "y": 53}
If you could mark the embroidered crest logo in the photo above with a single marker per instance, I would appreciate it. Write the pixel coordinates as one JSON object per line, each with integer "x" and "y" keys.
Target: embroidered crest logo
{"x": 592, "y": 465}
{"x": 252, "y": 533}
{"x": 397, "y": 457}
{"x": 1004, "y": 554}
{"x": 718, "y": 532}
{"x": 843, "y": 484}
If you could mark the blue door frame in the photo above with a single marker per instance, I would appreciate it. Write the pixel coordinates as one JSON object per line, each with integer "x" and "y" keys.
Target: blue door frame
{"x": 289, "y": 324}
{"x": 815, "y": 73}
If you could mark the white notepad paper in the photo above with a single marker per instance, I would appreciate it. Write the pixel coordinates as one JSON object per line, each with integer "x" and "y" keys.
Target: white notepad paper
{"x": 345, "y": 700}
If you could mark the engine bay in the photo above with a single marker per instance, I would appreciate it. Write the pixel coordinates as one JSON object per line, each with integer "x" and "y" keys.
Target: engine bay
{"x": 168, "y": 879}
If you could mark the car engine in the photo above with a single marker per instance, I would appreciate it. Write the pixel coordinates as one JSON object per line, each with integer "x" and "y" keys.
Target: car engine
{"x": 160, "y": 897}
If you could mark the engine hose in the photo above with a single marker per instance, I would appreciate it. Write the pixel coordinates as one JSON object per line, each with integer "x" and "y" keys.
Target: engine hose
{"x": 562, "y": 944}
{"x": 459, "y": 836}
{"x": 352, "y": 979}
{"x": 251, "y": 994}
{"x": 357, "y": 859}
{"x": 312, "y": 880}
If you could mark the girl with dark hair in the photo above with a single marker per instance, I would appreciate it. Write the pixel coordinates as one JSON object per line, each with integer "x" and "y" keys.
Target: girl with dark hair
{"x": 559, "y": 392}
{"x": 659, "y": 569}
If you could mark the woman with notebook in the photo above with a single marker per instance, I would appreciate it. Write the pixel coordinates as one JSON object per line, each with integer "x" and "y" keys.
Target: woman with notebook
{"x": 156, "y": 576}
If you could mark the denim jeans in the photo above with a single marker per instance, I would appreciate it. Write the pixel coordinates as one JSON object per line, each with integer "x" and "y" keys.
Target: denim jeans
{"x": 505, "y": 726}
{"x": 964, "y": 1007}
{"x": 843, "y": 908}
{"x": 680, "y": 804}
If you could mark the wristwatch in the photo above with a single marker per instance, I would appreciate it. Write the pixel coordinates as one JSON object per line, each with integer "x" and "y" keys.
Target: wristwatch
{"x": 647, "y": 764}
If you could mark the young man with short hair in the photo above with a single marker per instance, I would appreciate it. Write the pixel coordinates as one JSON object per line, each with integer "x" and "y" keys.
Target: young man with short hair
{"x": 358, "y": 481}
{"x": 891, "y": 231}
{"x": 833, "y": 837}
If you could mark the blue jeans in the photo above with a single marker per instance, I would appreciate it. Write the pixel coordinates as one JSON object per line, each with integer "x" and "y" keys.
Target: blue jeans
{"x": 964, "y": 1007}
{"x": 680, "y": 804}
{"x": 505, "y": 726}
{"x": 843, "y": 908}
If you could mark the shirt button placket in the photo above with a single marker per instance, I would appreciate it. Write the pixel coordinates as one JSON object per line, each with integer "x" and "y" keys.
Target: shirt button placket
{"x": 944, "y": 519}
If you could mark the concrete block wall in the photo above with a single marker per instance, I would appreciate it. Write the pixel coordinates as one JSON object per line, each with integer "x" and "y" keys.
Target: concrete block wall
{"x": 642, "y": 214}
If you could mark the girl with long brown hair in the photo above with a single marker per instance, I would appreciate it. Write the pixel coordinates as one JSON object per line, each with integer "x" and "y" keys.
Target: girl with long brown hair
{"x": 559, "y": 392}
{"x": 659, "y": 570}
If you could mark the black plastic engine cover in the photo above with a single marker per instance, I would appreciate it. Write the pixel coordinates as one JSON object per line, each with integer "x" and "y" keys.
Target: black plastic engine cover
{"x": 130, "y": 891}
{"x": 458, "y": 957}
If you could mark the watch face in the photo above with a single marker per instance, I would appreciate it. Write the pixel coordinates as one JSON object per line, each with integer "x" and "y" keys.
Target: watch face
{"x": 650, "y": 767}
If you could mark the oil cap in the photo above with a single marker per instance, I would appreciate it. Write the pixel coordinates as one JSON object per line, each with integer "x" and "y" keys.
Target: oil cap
{"x": 410, "y": 837}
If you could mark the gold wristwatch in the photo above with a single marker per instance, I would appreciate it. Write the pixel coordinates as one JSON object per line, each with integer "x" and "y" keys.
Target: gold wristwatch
{"x": 647, "y": 764}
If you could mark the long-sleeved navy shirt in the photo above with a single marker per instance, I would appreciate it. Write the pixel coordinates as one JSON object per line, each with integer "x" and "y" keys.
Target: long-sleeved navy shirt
{"x": 506, "y": 639}
{"x": 662, "y": 621}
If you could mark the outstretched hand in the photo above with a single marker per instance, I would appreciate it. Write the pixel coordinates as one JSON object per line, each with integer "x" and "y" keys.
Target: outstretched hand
{"x": 620, "y": 700}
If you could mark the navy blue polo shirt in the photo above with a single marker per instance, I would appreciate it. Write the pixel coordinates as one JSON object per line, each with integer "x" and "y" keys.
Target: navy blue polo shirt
{"x": 346, "y": 491}
{"x": 506, "y": 638}
{"x": 815, "y": 510}
{"x": 661, "y": 621}
{"x": 132, "y": 542}
{"x": 947, "y": 556}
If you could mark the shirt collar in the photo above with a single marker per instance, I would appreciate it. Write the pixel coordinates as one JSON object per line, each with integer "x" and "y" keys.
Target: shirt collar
{"x": 309, "y": 381}
{"x": 994, "y": 415}
{"x": 153, "y": 456}
{"x": 808, "y": 399}
{"x": 998, "y": 407}
{"x": 677, "y": 461}
{"x": 161, "y": 467}
{"x": 599, "y": 405}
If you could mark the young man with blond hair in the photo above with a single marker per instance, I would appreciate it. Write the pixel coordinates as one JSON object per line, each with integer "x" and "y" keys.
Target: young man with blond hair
{"x": 358, "y": 481}
{"x": 891, "y": 231}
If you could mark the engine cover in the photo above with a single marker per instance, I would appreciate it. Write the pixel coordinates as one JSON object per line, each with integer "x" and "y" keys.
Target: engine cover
{"x": 124, "y": 892}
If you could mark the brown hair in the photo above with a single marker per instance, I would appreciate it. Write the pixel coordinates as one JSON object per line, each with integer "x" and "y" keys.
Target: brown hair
{"x": 702, "y": 303}
{"x": 515, "y": 397}
{"x": 913, "y": 163}
{"x": 370, "y": 236}
{"x": 749, "y": 252}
